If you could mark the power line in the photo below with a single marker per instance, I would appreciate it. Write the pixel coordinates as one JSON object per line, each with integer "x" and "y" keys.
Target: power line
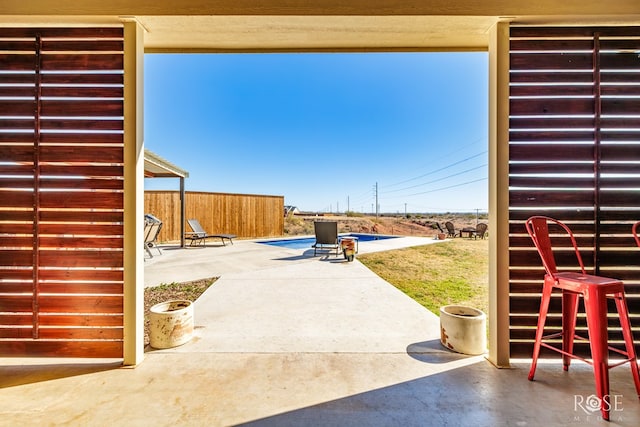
{"x": 435, "y": 180}
{"x": 438, "y": 170}
{"x": 446, "y": 188}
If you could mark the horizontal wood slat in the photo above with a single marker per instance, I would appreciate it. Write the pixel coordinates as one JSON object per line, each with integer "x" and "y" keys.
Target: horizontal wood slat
{"x": 61, "y": 192}
{"x": 72, "y": 154}
{"x": 568, "y": 117}
{"x": 82, "y": 108}
{"x": 58, "y": 348}
{"x": 102, "y": 333}
{"x": 116, "y": 275}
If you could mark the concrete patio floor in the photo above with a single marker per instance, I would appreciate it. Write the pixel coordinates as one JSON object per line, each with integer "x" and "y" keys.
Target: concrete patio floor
{"x": 287, "y": 339}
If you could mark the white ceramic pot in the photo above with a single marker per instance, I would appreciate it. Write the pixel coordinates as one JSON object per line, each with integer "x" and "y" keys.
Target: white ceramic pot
{"x": 171, "y": 323}
{"x": 463, "y": 329}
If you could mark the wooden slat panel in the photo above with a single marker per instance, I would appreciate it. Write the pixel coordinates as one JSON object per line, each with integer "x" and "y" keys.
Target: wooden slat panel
{"x": 551, "y": 61}
{"x": 620, "y": 106}
{"x": 18, "y": 107}
{"x": 16, "y": 303}
{"x": 556, "y": 106}
{"x": 574, "y": 118}
{"x": 551, "y": 152}
{"x": 537, "y": 90}
{"x": 547, "y": 167}
{"x": 16, "y": 319}
{"x": 559, "y": 77}
{"x": 551, "y": 44}
{"x": 543, "y": 182}
{"x": 102, "y": 333}
{"x": 81, "y": 200}
{"x": 17, "y": 137}
{"x": 81, "y": 242}
{"x": 553, "y": 122}
{"x": 16, "y": 332}
{"x": 80, "y": 304}
{"x": 83, "y": 92}
{"x": 620, "y": 60}
{"x": 565, "y": 214}
{"x": 93, "y": 320}
{"x": 82, "y": 275}
{"x": 7, "y": 124}
{"x": 81, "y": 288}
{"x": 95, "y": 184}
{"x": 12, "y": 274}
{"x": 567, "y": 135}
{"x": 80, "y": 258}
{"x": 79, "y": 32}
{"x": 85, "y": 229}
{"x": 82, "y": 170}
{"x": 563, "y": 32}
{"x": 83, "y": 139}
{"x": 83, "y": 45}
{"x": 16, "y": 258}
{"x": 56, "y": 348}
{"x": 22, "y": 91}
{"x": 73, "y": 154}
{"x": 18, "y": 169}
{"x": 16, "y": 287}
{"x": 546, "y": 198}
{"x": 85, "y": 216}
{"x": 16, "y": 199}
{"x": 82, "y": 108}
{"x": 17, "y": 62}
{"x": 14, "y": 183}
{"x": 84, "y": 78}
{"x": 88, "y": 125}
{"x": 81, "y": 61}
{"x": 620, "y": 198}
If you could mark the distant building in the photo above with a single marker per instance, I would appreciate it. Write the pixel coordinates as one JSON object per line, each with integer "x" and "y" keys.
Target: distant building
{"x": 291, "y": 210}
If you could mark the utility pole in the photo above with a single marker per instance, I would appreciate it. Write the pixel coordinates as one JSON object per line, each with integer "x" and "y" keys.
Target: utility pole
{"x": 377, "y": 204}
{"x": 348, "y": 206}
{"x": 405, "y": 210}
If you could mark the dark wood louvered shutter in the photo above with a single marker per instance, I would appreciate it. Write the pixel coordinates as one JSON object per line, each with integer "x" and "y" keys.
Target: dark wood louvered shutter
{"x": 61, "y": 192}
{"x": 574, "y": 149}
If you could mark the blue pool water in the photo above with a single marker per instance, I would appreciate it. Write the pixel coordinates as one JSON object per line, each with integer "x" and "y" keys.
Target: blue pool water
{"x": 307, "y": 242}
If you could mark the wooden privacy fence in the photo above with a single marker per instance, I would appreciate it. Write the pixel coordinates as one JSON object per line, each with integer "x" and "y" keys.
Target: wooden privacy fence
{"x": 245, "y": 215}
{"x": 574, "y": 151}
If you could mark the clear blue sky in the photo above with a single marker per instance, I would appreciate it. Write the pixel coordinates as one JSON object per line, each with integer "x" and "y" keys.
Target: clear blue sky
{"x": 322, "y": 129}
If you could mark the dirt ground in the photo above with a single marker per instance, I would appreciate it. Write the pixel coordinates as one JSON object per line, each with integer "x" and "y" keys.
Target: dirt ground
{"x": 412, "y": 226}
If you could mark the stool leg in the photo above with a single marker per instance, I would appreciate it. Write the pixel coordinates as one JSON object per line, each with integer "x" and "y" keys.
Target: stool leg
{"x": 569, "y": 315}
{"x": 625, "y": 323}
{"x": 544, "y": 308}
{"x": 595, "y": 304}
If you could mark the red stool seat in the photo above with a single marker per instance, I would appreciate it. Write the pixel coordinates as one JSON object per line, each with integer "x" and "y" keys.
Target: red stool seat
{"x": 594, "y": 290}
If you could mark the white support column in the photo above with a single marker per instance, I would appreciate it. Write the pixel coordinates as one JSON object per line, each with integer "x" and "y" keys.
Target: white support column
{"x": 499, "y": 353}
{"x": 133, "y": 194}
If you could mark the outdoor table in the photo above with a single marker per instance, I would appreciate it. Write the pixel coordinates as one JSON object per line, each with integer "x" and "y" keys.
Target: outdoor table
{"x": 470, "y": 231}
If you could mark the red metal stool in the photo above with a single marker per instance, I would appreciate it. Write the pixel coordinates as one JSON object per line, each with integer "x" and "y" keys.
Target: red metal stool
{"x": 595, "y": 290}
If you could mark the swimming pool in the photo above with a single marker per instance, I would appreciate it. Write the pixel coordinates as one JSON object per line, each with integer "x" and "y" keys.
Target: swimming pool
{"x": 307, "y": 242}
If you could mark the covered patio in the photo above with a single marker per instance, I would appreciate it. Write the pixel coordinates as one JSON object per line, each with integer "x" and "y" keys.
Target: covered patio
{"x": 284, "y": 338}
{"x": 564, "y": 121}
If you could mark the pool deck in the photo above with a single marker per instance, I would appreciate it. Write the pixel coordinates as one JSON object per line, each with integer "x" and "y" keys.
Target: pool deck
{"x": 287, "y": 339}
